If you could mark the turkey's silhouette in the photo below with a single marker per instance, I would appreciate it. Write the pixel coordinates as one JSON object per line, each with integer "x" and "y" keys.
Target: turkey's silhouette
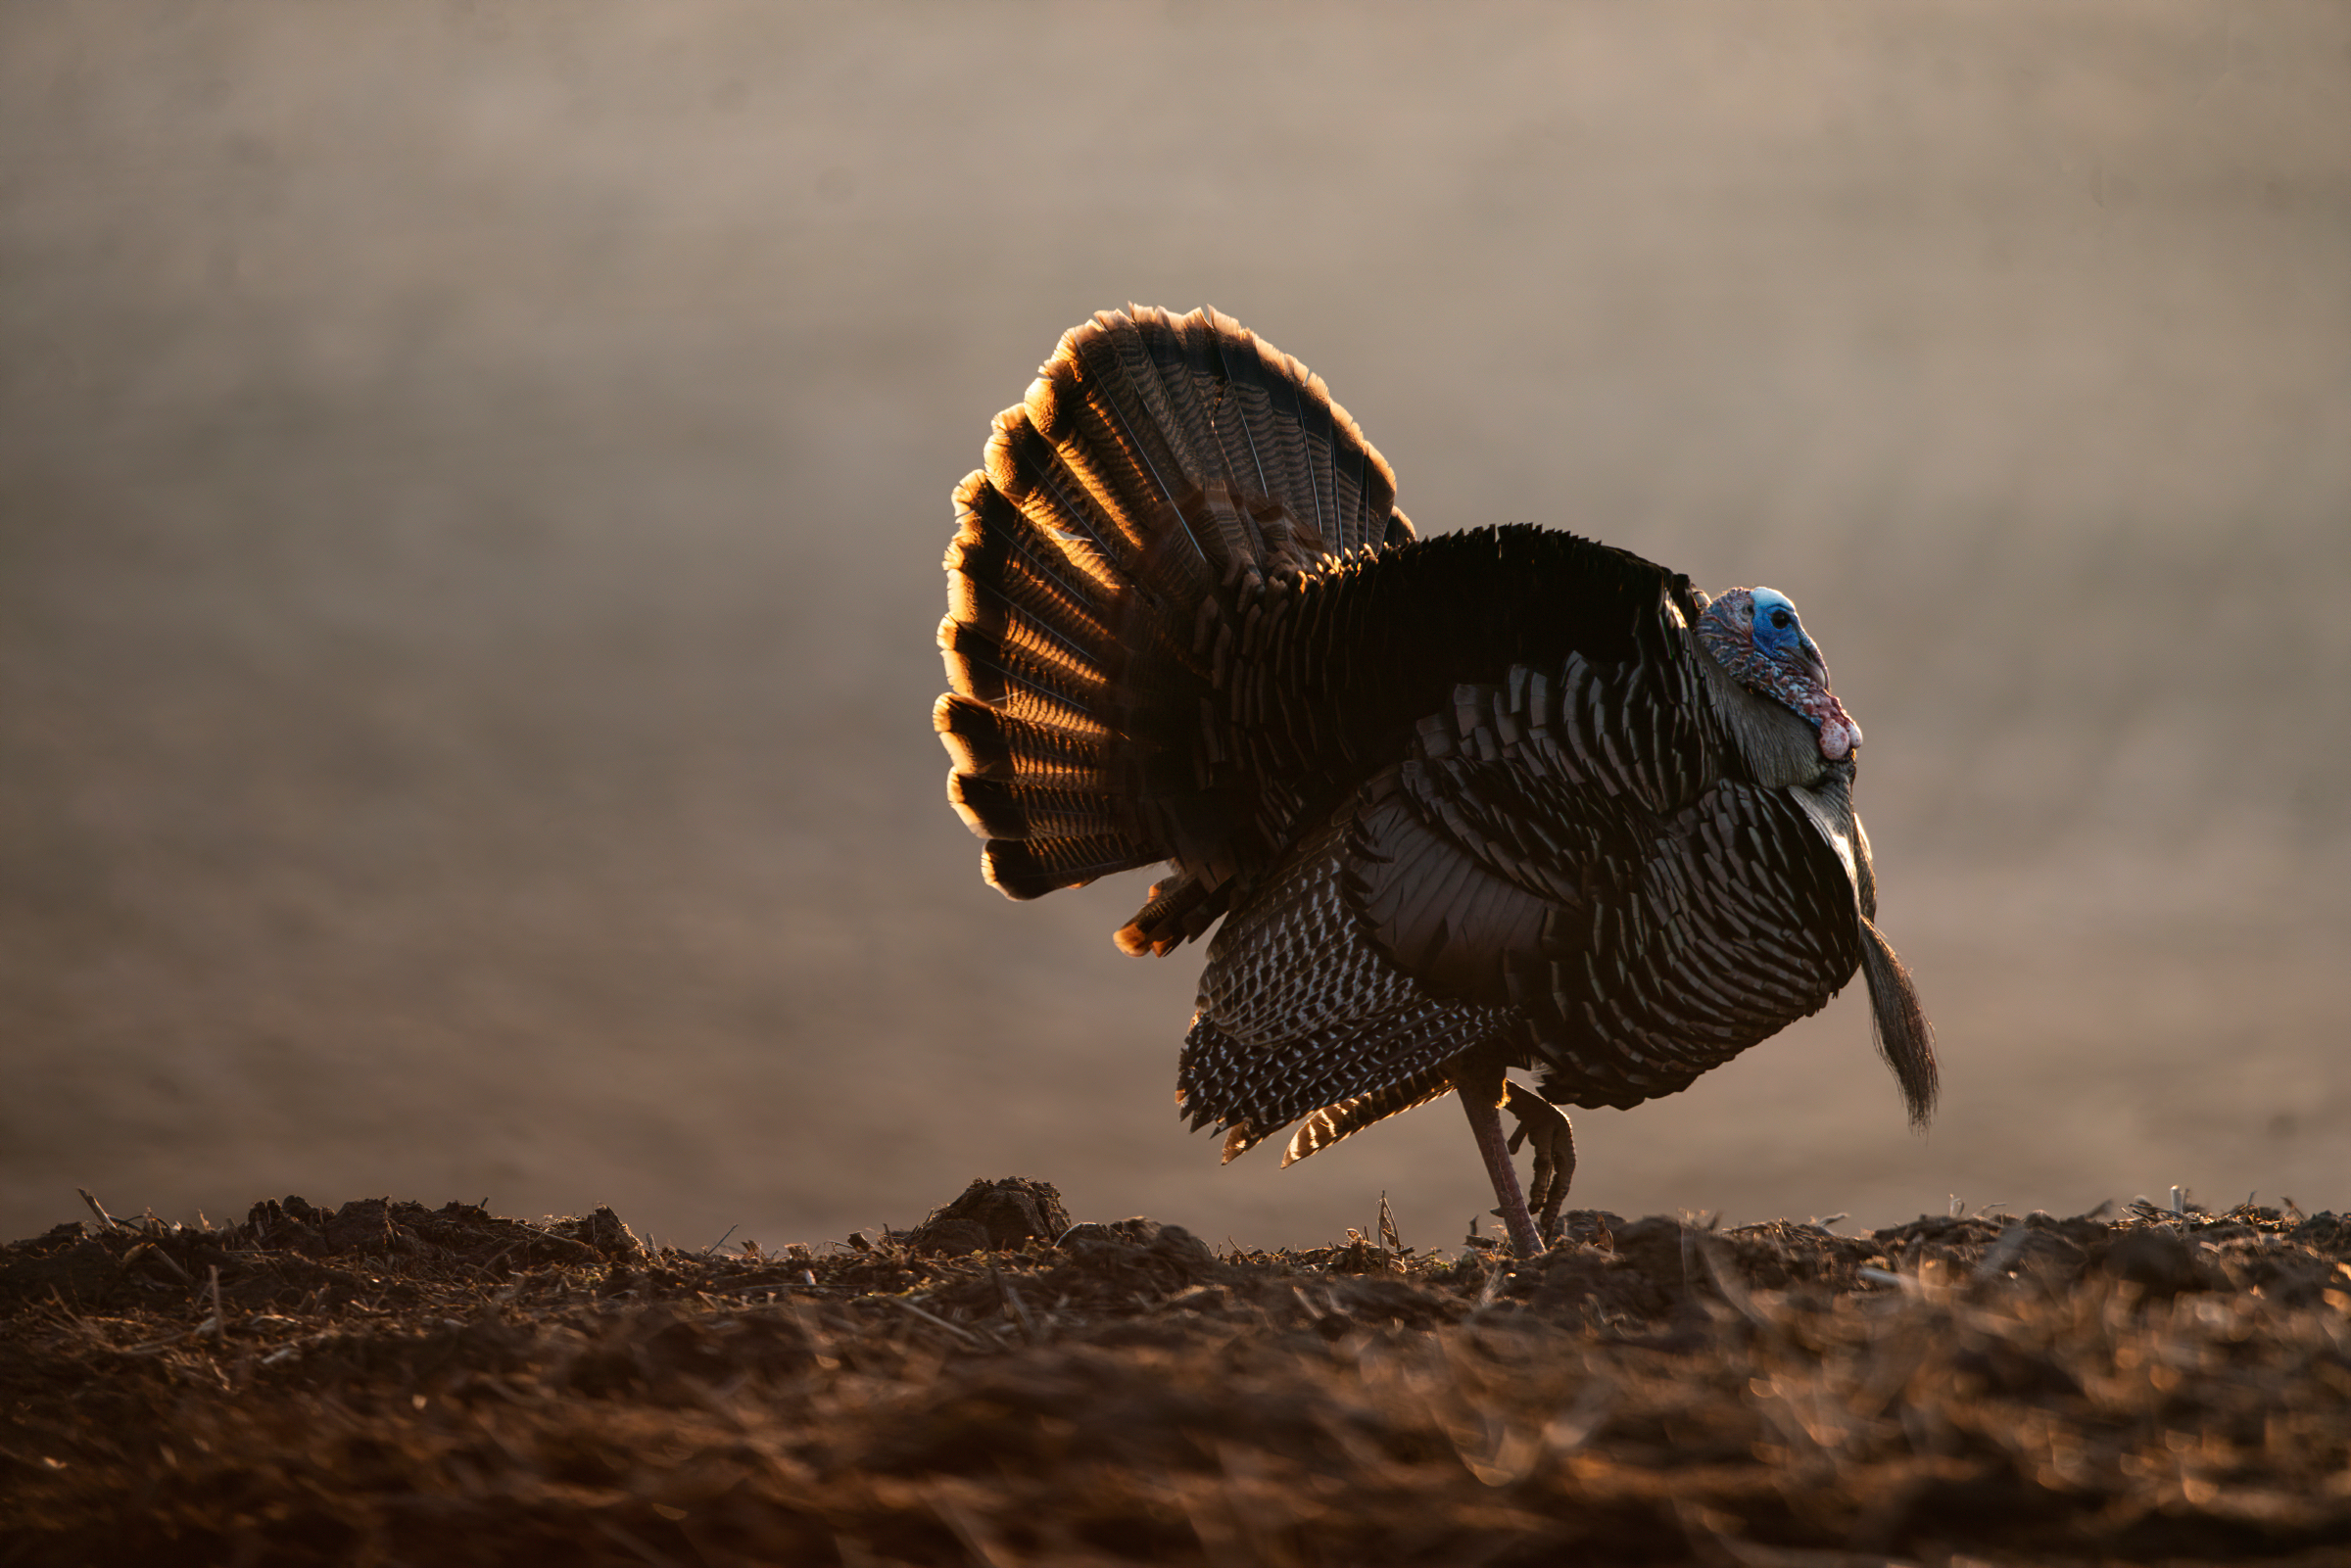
{"x": 1499, "y": 798}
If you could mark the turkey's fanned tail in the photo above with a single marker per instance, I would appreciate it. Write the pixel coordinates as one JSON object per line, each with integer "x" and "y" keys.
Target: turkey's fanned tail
{"x": 1159, "y": 469}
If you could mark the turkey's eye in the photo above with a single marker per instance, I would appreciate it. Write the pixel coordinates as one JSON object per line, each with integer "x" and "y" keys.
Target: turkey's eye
{"x": 1779, "y": 618}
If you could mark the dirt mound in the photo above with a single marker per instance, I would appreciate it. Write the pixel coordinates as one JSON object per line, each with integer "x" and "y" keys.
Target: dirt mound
{"x": 386, "y": 1382}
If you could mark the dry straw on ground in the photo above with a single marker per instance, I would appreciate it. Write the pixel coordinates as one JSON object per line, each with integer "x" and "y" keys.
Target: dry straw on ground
{"x": 387, "y": 1382}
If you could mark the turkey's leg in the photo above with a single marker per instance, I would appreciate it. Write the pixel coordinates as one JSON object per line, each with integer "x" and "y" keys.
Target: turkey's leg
{"x": 1482, "y": 1089}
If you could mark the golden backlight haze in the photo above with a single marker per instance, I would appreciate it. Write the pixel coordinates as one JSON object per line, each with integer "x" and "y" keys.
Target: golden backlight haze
{"x": 473, "y": 480}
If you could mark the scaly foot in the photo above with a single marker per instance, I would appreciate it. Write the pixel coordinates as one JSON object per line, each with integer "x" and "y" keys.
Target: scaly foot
{"x": 1546, "y": 1127}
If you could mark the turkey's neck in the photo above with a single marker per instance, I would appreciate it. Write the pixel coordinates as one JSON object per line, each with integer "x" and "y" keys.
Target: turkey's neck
{"x": 1782, "y": 751}
{"x": 1781, "y": 748}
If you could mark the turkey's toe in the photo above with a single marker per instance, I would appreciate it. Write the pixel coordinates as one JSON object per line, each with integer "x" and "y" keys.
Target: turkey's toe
{"x": 1547, "y": 1127}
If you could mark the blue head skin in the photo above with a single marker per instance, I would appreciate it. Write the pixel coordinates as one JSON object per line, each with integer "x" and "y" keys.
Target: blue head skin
{"x": 1777, "y": 628}
{"x": 1757, "y": 636}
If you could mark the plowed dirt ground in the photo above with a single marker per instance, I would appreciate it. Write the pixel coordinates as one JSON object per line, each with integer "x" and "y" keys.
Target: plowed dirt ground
{"x": 387, "y": 1382}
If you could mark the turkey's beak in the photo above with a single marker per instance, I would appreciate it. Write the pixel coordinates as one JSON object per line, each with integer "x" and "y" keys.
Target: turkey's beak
{"x": 1805, "y": 657}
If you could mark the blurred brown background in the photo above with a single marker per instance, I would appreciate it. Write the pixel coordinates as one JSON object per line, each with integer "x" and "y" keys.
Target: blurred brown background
{"x": 472, "y": 481}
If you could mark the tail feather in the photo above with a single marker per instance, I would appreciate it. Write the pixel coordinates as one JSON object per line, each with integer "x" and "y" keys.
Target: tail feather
{"x": 1121, "y": 438}
{"x": 1346, "y": 477}
{"x": 1212, "y": 362}
{"x": 1261, "y": 407}
{"x": 1075, "y": 494}
{"x": 985, "y": 670}
{"x": 988, "y": 744}
{"x": 1274, "y": 418}
{"x": 998, "y": 808}
{"x": 996, "y": 546}
{"x": 1033, "y": 869}
{"x": 1198, "y": 373}
{"x": 1026, "y": 620}
{"x": 1074, "y": 510}
{"x": 982, "y": 615}
{"x": 1159, "y": 470}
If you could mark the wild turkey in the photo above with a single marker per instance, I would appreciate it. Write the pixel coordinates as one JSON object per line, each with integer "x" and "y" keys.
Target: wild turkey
{"x": 1499, "y": 798}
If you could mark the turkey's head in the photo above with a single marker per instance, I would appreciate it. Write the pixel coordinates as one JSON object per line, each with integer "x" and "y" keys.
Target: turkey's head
{"x": 1754, "y": 634}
